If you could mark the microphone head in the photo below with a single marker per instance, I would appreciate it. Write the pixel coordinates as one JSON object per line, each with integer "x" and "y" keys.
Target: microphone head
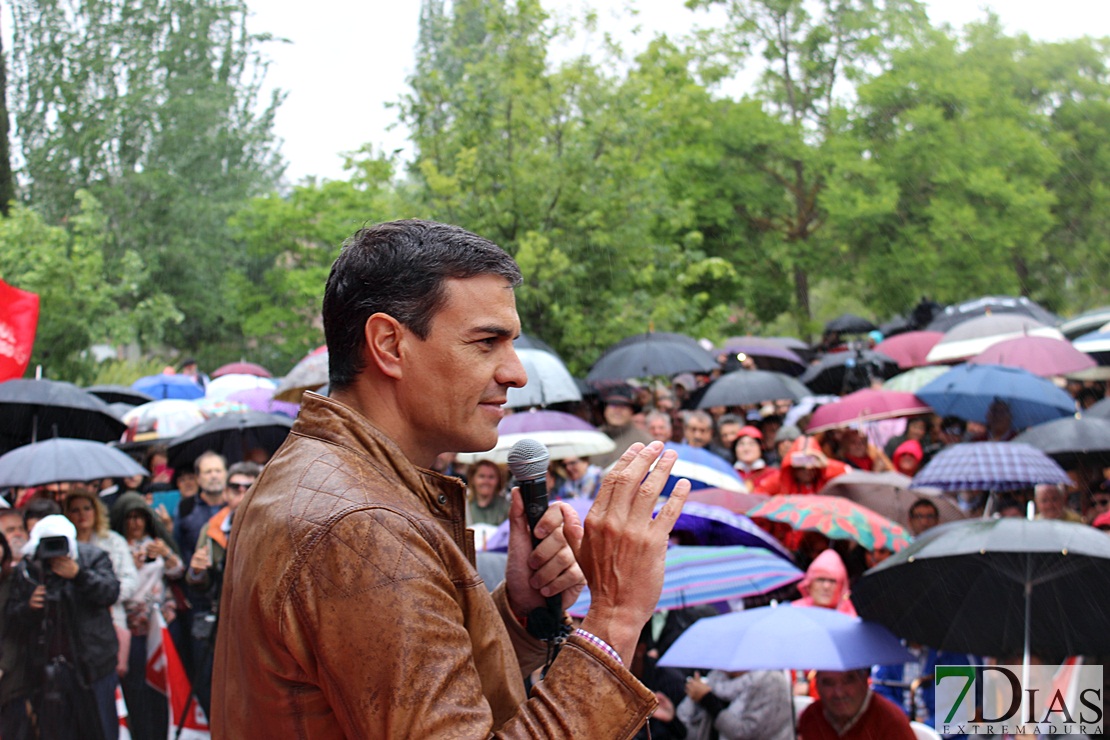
{"x": 528, "y": 460}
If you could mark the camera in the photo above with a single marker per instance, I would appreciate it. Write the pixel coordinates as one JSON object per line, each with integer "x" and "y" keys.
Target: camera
{"x": 52, "y": 547}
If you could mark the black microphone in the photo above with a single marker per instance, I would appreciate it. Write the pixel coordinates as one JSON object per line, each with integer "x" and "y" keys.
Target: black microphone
{"x": 528, "y": 463}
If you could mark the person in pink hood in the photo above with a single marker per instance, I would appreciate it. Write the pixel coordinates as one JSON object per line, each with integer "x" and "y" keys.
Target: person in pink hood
{"x": 907, "y": 458}
{"x": 826, "y": 584}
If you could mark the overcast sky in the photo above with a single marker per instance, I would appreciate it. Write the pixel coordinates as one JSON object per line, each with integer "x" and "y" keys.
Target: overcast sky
{"x": 346, "y": 60}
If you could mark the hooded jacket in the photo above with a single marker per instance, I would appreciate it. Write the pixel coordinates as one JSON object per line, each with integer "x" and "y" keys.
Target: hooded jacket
{"x": 351, "y": 607}
{"x": 827, "y": 565}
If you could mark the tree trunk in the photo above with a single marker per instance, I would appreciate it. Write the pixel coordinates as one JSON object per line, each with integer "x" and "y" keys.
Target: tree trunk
{"x": 7, "y": 184}
{"x": 801, "y": 298}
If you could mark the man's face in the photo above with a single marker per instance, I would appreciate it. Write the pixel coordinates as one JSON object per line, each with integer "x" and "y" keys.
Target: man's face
{"x": 212, "y": 476}
{"x": 1050, "y": 502}
{"x": 659, "y": 429}
{"x": 618, "y": 414}
{"x": 922, "y": 518}
{"x": 236, "y": 490}
{"x": 699, "y": 433}
{"x": 728, "y": 433}
{"x": 12, "y": 527}
{"x": 454, "y": 382}
{"x": 841, "y": 693}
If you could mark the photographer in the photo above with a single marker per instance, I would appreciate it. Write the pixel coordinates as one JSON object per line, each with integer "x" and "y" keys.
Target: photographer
{"x": 59, "y": 608}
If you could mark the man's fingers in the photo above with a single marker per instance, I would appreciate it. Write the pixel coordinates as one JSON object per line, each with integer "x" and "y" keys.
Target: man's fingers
{"x": 623, "y": 484}
{"x": 609, "y": 482}
{"x": 668, "y": 515}
{"x": 648, "y": 491}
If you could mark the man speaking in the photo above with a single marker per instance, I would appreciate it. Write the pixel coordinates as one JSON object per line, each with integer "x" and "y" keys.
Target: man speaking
{"x": 351, "y": 605}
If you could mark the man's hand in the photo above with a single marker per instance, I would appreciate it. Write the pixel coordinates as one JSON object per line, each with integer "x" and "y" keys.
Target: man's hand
{"x": 38, "y": 598}
{"x": 533, "y": 575}
{"x": 665, "y": 711}
{"x": 696, "y": 688}
{"x": 624, "y": 549}
{"x": 200, "y": 561}
{"x": 65, "y": 567}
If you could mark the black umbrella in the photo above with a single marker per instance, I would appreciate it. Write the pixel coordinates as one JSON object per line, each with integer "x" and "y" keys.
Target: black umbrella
{"x": 63, "y": 459}
{"x": 1070, "y": 441}
{"x": 31, "y": 410}
{"x": 849, "y": 323}
{"x": 119, "y": 394}
{"x": 742, "y": 387}
{"x": 231, "y": 435}
{"x": 991, "y": 304}
{"x": 652, "y": 354}
{"x": 996, "y": 587}
{"x": 840, "y": 372}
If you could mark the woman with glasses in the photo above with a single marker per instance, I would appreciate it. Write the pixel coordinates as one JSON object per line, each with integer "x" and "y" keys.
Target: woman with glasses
{"x": 581, "y": 480}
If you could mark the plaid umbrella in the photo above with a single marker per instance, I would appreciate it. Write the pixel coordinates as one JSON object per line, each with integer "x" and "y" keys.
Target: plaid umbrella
{"x": 865, "y": 405}
{"x": 989, "y": 466}
{"x": 836, "y": 518}
{"x": 704, "y": 575}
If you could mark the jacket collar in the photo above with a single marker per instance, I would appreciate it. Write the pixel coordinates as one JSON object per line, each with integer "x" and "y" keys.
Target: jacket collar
{"x": 444, "y": 497}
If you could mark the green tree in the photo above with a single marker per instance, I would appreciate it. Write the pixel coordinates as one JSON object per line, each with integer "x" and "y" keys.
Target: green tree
{"x": 152, "y": 107}
{"x": 79, "y": 303}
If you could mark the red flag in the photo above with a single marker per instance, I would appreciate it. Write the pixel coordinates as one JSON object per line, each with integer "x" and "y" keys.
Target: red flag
{"x": 165, "y": 674}
{"x": 19, "y": 318}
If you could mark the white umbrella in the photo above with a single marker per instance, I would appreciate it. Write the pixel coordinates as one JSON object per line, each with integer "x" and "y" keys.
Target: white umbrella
{"x": 223, "y": 386}
{"x": 549, "y": 381}
{"x": 564, "y": 435}
{"x": 971, "y": 337}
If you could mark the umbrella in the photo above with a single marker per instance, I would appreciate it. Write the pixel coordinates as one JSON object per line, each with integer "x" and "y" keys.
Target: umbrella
{"x": 912, "y": 380}
{"x": 704, "y": 469}
{"x": 776, "y": 637}
{"x": 527, "y": 341}
{"x": 996, "y": 587}
{"x": 1097, "y": 343}
{"x": 703, "y": 524}
{"x": 734, "y": 501}
{"x": 989, "y": 466}
{"x": 31, "y": 410}
{"x": 768, "y": 354}
{"x": 564, "y": 435}
{"x": 241, "y": 368}
{"x": 65, "y": 459}
{"x": 835, "y": 517}
{"x": 910, "y": 349}
{"x": 118, "y": 394}
{"x": 850, "y": 370}
{"x": 968, "y": 391}
{"x": 646, "y": 355}
{"x": 1072, "y": 442}
{"x": 849, "y": 323}
{"x": 165, "y": 419}
{"x": 1085, "y": 323}
{"x": 865, "y": 405}
{"x": 262, "y": 399}
{"x": 743, "y": 387}
{"x": 975, "y": 335}
{"x": 1099, "y": 410}
{"x": 988, "y": 306}
{"x": 888, "y": 494}
{"x": 225, "y": 385}
{"x": 169, "y": 386}
{"x": 307, "y": 375}
{"x": 549, "y": 381}
{"x": 232, "y": 435}
{"x": 705, "y": 575}
{"x": 1043, "y": 356}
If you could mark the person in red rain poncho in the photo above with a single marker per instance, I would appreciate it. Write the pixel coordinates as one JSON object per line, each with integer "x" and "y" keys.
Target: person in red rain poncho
{"x": 805, "y": 469}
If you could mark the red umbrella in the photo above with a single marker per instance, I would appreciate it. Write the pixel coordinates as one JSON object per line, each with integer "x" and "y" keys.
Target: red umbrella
{"x": 242, "y": 368}
{"x": 866, "y": 405}
{"x": 836, "y": 518}
{"x": 909, "y": 349}
{"x": 1044, "y": 356}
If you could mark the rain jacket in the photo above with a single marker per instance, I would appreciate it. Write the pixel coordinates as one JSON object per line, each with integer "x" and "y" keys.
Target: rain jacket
{"x": 783, "y": 481}
{"x": 827, "y": 565}
{"x": 757, "y": 707}
{"x": 351, "y": 607}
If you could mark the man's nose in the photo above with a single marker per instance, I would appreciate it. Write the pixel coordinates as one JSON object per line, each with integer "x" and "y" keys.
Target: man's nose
{"x": 511, "y": 372}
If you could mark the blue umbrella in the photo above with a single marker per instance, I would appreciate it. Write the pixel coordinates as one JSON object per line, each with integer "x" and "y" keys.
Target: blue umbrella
{"x": 967, "y": 391}
{"x": 704, "y": 575}
{"x": 703, "y": 469}
{"x": 778, "y": 637}
{"x": 707, "y": 524}
{"x": 169, "y": 386}
{"x": 989, "y": 466}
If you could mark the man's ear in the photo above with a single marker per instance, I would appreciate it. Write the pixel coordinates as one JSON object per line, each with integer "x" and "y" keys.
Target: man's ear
{"x": 383, "y": 335}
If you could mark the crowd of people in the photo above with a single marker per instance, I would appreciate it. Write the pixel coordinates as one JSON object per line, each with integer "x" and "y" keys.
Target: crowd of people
{"x": 90, "y": 569}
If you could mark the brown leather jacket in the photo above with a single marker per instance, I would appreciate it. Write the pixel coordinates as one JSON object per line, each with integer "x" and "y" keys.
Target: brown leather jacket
{"x": 351, "y": 608}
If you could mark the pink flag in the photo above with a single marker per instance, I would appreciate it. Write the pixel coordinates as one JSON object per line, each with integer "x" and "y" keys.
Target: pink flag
{"x": 165, "y": 674}
{"x": 19, "y": 318}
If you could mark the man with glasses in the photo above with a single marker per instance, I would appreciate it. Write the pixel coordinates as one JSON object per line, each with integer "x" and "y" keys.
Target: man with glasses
{"x": 1100, "y": 502}
{"x": 582, "y": 479}
{"x": 924, "y": 515}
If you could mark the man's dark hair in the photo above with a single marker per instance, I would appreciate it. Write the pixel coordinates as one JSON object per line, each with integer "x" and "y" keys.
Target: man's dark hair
{"x": 399, "y": 268}
{"x": 246, "y": 467}
{"x": 40, "y": 508}
{"x": 924, "y": 503}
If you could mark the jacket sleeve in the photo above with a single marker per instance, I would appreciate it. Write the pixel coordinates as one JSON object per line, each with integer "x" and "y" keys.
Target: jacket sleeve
{"x": 410, "y": 670}
{"x": 203, "y": 581}
{"x": 96, "y": 582}
{"x": 21, "y": 619}
{"x": 530, "y": 652}
{"x": 757, "y": 712}
{"x": 123, "y": 565}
